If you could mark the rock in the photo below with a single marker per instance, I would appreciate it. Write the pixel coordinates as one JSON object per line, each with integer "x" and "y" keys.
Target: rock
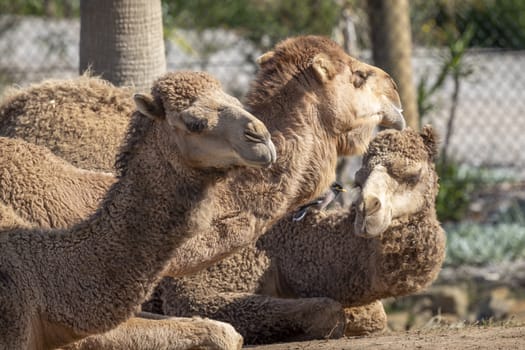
{"x": 448, "y": 300}
{"x": 497, "y": 306}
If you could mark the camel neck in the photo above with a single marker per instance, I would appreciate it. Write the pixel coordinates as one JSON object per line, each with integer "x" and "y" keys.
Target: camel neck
{"x": 409, "y": 254}
{"x": 336, "y": 263}
{"x": 107, "y": 265}
{"x": 247, "y": 204}
{"x": 305, "y": 165}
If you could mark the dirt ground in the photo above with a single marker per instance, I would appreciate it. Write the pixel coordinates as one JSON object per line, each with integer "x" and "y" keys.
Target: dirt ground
{"x": 494, "y": 338}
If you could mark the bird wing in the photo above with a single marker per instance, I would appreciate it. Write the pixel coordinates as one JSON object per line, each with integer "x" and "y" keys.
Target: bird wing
{"x": 299, "y": 215}
{"x": 311, "y": 204}
{"x": 301, "y": 212}
{"x": 323, "y": 203}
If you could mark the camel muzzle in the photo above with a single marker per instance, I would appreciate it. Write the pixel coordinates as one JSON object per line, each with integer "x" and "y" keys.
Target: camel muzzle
{"x": 395, "y": 119}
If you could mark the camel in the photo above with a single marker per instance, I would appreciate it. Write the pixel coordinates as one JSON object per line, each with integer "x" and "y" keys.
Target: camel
{"x": 389, "y": 244}
{"x": 61, "y": 285}
{"x": 82, "y": 120}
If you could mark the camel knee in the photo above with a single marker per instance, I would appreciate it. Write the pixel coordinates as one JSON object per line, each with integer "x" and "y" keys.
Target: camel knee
{"x": 366, "y": 319}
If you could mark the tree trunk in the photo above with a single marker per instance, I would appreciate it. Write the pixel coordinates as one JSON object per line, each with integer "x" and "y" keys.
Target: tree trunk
{"x": 392, "y": 49}
{"x": 122, "y": 41}
{"x": 345, "y": 166}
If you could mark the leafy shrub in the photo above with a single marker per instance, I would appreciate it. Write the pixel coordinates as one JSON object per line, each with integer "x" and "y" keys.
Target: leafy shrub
{"x": 497, "y": 23}
{"x": 457, "y": 184}
{"x": 474, "y": 244}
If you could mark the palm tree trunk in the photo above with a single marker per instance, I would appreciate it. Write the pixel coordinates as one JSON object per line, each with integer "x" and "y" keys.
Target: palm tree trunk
{"x": 392, "y": 49}
{"x": 122, "y": 41}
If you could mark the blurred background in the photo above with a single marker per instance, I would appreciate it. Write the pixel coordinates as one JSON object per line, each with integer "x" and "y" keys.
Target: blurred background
{"x": 460, "y": 66}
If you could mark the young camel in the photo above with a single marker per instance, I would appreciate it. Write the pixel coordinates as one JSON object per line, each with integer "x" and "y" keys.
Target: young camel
{"x": 58, "y": 286}
{"x": 390, "y": 244}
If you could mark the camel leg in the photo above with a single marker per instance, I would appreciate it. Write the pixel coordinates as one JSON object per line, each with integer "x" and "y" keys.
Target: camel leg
{"x": 263, "y": 319}
{"x": 164, "y": 334}
{"x": 365, "y": 319}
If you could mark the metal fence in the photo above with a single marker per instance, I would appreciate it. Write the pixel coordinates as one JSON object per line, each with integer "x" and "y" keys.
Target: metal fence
{"x": 489, "y": 107}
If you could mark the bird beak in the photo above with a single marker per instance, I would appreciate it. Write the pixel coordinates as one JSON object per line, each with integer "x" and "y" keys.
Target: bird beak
{"x": 343, "y": 190}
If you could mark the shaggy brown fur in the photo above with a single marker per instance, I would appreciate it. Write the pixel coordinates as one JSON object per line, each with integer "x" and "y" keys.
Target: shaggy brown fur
{"x": 44, "y": 190}
{"x": 294, "y": 282}
{"x": 82, "y": 120}
{"x": 57, "y": 286}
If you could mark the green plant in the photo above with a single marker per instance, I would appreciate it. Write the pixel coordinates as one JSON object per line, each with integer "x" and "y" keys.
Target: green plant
{"x": 49, "y": 8}
{"x": 457, "y": 184}
{"x": 474, "y": 244}
{"x": 262, "y": 22}
{"x": 499, "y": 23}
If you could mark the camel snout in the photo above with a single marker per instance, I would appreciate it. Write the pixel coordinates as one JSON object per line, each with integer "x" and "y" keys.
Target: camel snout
{"x": 369, "y": 220}
{"x": 394, "y": 118}
{"x": 262, "y": 147}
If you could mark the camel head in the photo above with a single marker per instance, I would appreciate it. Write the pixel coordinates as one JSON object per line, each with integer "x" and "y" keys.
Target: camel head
{"x": 397, "y": 179}
{"x": 209, "y": 128}
{"x": 352, "y": 97}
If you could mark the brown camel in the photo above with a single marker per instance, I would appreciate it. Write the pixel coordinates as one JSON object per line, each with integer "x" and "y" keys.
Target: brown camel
{"x": 61, "y": 285}
{"x": 390, "y": 244}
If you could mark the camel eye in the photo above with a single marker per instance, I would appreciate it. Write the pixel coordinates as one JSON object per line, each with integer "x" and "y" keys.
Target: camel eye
{"x": 361, "y": 74}
{"x": 412, "y": 177}
{"x": 405, "y": 171}
{"x": 359, "y": 78}
{"x": 193, "y": 123}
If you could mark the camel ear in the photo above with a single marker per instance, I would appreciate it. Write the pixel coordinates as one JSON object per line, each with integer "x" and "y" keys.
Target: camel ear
{"x": 323, "y": 68}
{"x": 265, "y": 57}
{"x": 431, "y": 140}
{"x": 149, "y": 107}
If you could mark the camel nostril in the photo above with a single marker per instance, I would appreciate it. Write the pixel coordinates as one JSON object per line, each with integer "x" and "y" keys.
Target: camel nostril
{"x": 253, "y": 136}
{"x": 372, "y": 205}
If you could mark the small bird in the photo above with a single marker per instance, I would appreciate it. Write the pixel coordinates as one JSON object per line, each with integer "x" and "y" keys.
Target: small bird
{"x": 320, "y": 203}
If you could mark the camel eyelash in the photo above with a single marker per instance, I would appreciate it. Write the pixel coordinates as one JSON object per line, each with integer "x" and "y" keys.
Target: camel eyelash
{"x": 361, "y": 74}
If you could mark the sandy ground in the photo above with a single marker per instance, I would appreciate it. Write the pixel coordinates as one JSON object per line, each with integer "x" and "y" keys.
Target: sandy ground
{"x": 494, "y": 338}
